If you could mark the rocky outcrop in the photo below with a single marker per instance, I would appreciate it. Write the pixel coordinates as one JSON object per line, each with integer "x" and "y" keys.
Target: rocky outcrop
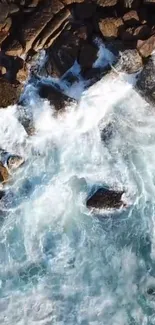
{"x": 105, "y": 199}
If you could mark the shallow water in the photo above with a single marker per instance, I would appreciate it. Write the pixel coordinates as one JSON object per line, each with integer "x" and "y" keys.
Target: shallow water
{"x": 59, "y": 263}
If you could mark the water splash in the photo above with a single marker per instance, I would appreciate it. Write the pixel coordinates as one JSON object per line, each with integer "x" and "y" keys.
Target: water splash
{"x": 59, "y": 264}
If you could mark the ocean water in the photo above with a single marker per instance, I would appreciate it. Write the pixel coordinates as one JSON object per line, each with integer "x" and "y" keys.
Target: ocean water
{"x": 60, "y": 263}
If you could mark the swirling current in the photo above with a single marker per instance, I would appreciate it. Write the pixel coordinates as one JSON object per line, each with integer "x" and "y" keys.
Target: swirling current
{"x": 59, "y": 262}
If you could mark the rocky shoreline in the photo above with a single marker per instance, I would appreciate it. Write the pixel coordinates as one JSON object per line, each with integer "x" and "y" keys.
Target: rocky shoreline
{"x": 67, "y": 31}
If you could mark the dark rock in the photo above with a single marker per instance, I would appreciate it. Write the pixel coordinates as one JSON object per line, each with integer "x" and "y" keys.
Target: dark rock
{"x": 9, "y": 93}
{"x": 63, "y": 53}
{"x": 87, "y": 55}
{"x": 141, "y": 32}
{"x": 146, "y": 47}
{"x": 14, "y": 48}
{"x": 105, "y": 199}
{"x": 107, "y": 132}
{"x": 146, "y": 80}
{"x": 84, "y": 10}
{"x": 151, "y": 291}
{"x": 149, "y": 2}
{"x": 55, "y": 96}
{"x": 2, "y": 193}
{"x": 110, "y": 27}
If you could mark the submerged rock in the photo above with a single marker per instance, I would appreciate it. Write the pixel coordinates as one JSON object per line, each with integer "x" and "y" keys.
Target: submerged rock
{"x": 55, "y": 96}
{"x": 14, "y": 161}
{"x": 105, "y": 199}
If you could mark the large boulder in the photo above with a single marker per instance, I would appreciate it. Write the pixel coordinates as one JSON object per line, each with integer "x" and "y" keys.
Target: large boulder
{"x": 105, "y": 199}
{"x": 146, "y": 80}
{"x": 55, "y": 96}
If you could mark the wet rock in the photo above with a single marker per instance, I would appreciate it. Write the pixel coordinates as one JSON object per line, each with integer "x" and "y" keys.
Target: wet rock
{"x": 63, "y": 53}
{"x": 146, "y": 47}
{"x": 2, "y": 193}
{"x": 151, "y": 291}
{"x": 110, "y": 27}
{"x": 146, "y": 80}
{"x": 105, "y": 199}
{"x": 55, "y": 96}
{"x": 87, "y": 55}
{"x": 14, "y": 161}
{"x": 9, "y": 93}
{"x": 4, "y": 175}
{"x": 107, "y": 132}
{"x": 130, "y": 3}
{"x": 130, "y": 61}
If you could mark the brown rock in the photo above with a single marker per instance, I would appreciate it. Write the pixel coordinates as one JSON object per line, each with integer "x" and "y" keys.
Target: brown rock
{"x": 33, "y": 27}
{"x": 107, "y": 3}
{"x": 3, "y": 36}
{"x": 110, "y": 27}
{"x": 49, "y": 31}
{"x": 131, "y": 18}
{"x": 146, "y": 47}
{"x": 105, "y": 199}
{"x": 4, "y": 175}
{"x": 55, "y": 96}
{"x": 22, "y": 74}
{"x": 9, "y": 93}
{"x": 4, "y": 12}
{"x": 69, "y": 2}
{"x": 7, "y": 25}
{"x": 87, "y": 55}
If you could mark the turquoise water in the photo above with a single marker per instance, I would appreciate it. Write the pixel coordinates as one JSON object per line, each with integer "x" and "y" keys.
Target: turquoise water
{"x": 59, "y": 262}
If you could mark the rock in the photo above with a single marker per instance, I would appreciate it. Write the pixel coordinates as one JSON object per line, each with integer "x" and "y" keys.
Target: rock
{"x": 131, "y": 18}
{"x": 107, "y": 3}
{"x": 52, "y": 30}
{"x": 14, "y": 48}
{"x": 4, "y": 175}
{"x": 87, "y": 55}
{"x": 130, "y": 61}
{"x": 146, "y": 47}
{"x": 41, "y": 17}
{"x": 6, "y": 25}
{"x": 110, "y": 27}
{"x": 55, "y": 96}
{"x": 2, "y": 193}
{"x": 105, "y": 199}
{"x": 14, "y": 161}
{"x": 9, "y": 93}
{"x": 141, "y": 32}
{"x": 69, "y": 2}
{"x": 84, "y": 10}
{"x": 146, "y": 80}
{"x": 63, "y": 53}
{"x": 107, "y": 132}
